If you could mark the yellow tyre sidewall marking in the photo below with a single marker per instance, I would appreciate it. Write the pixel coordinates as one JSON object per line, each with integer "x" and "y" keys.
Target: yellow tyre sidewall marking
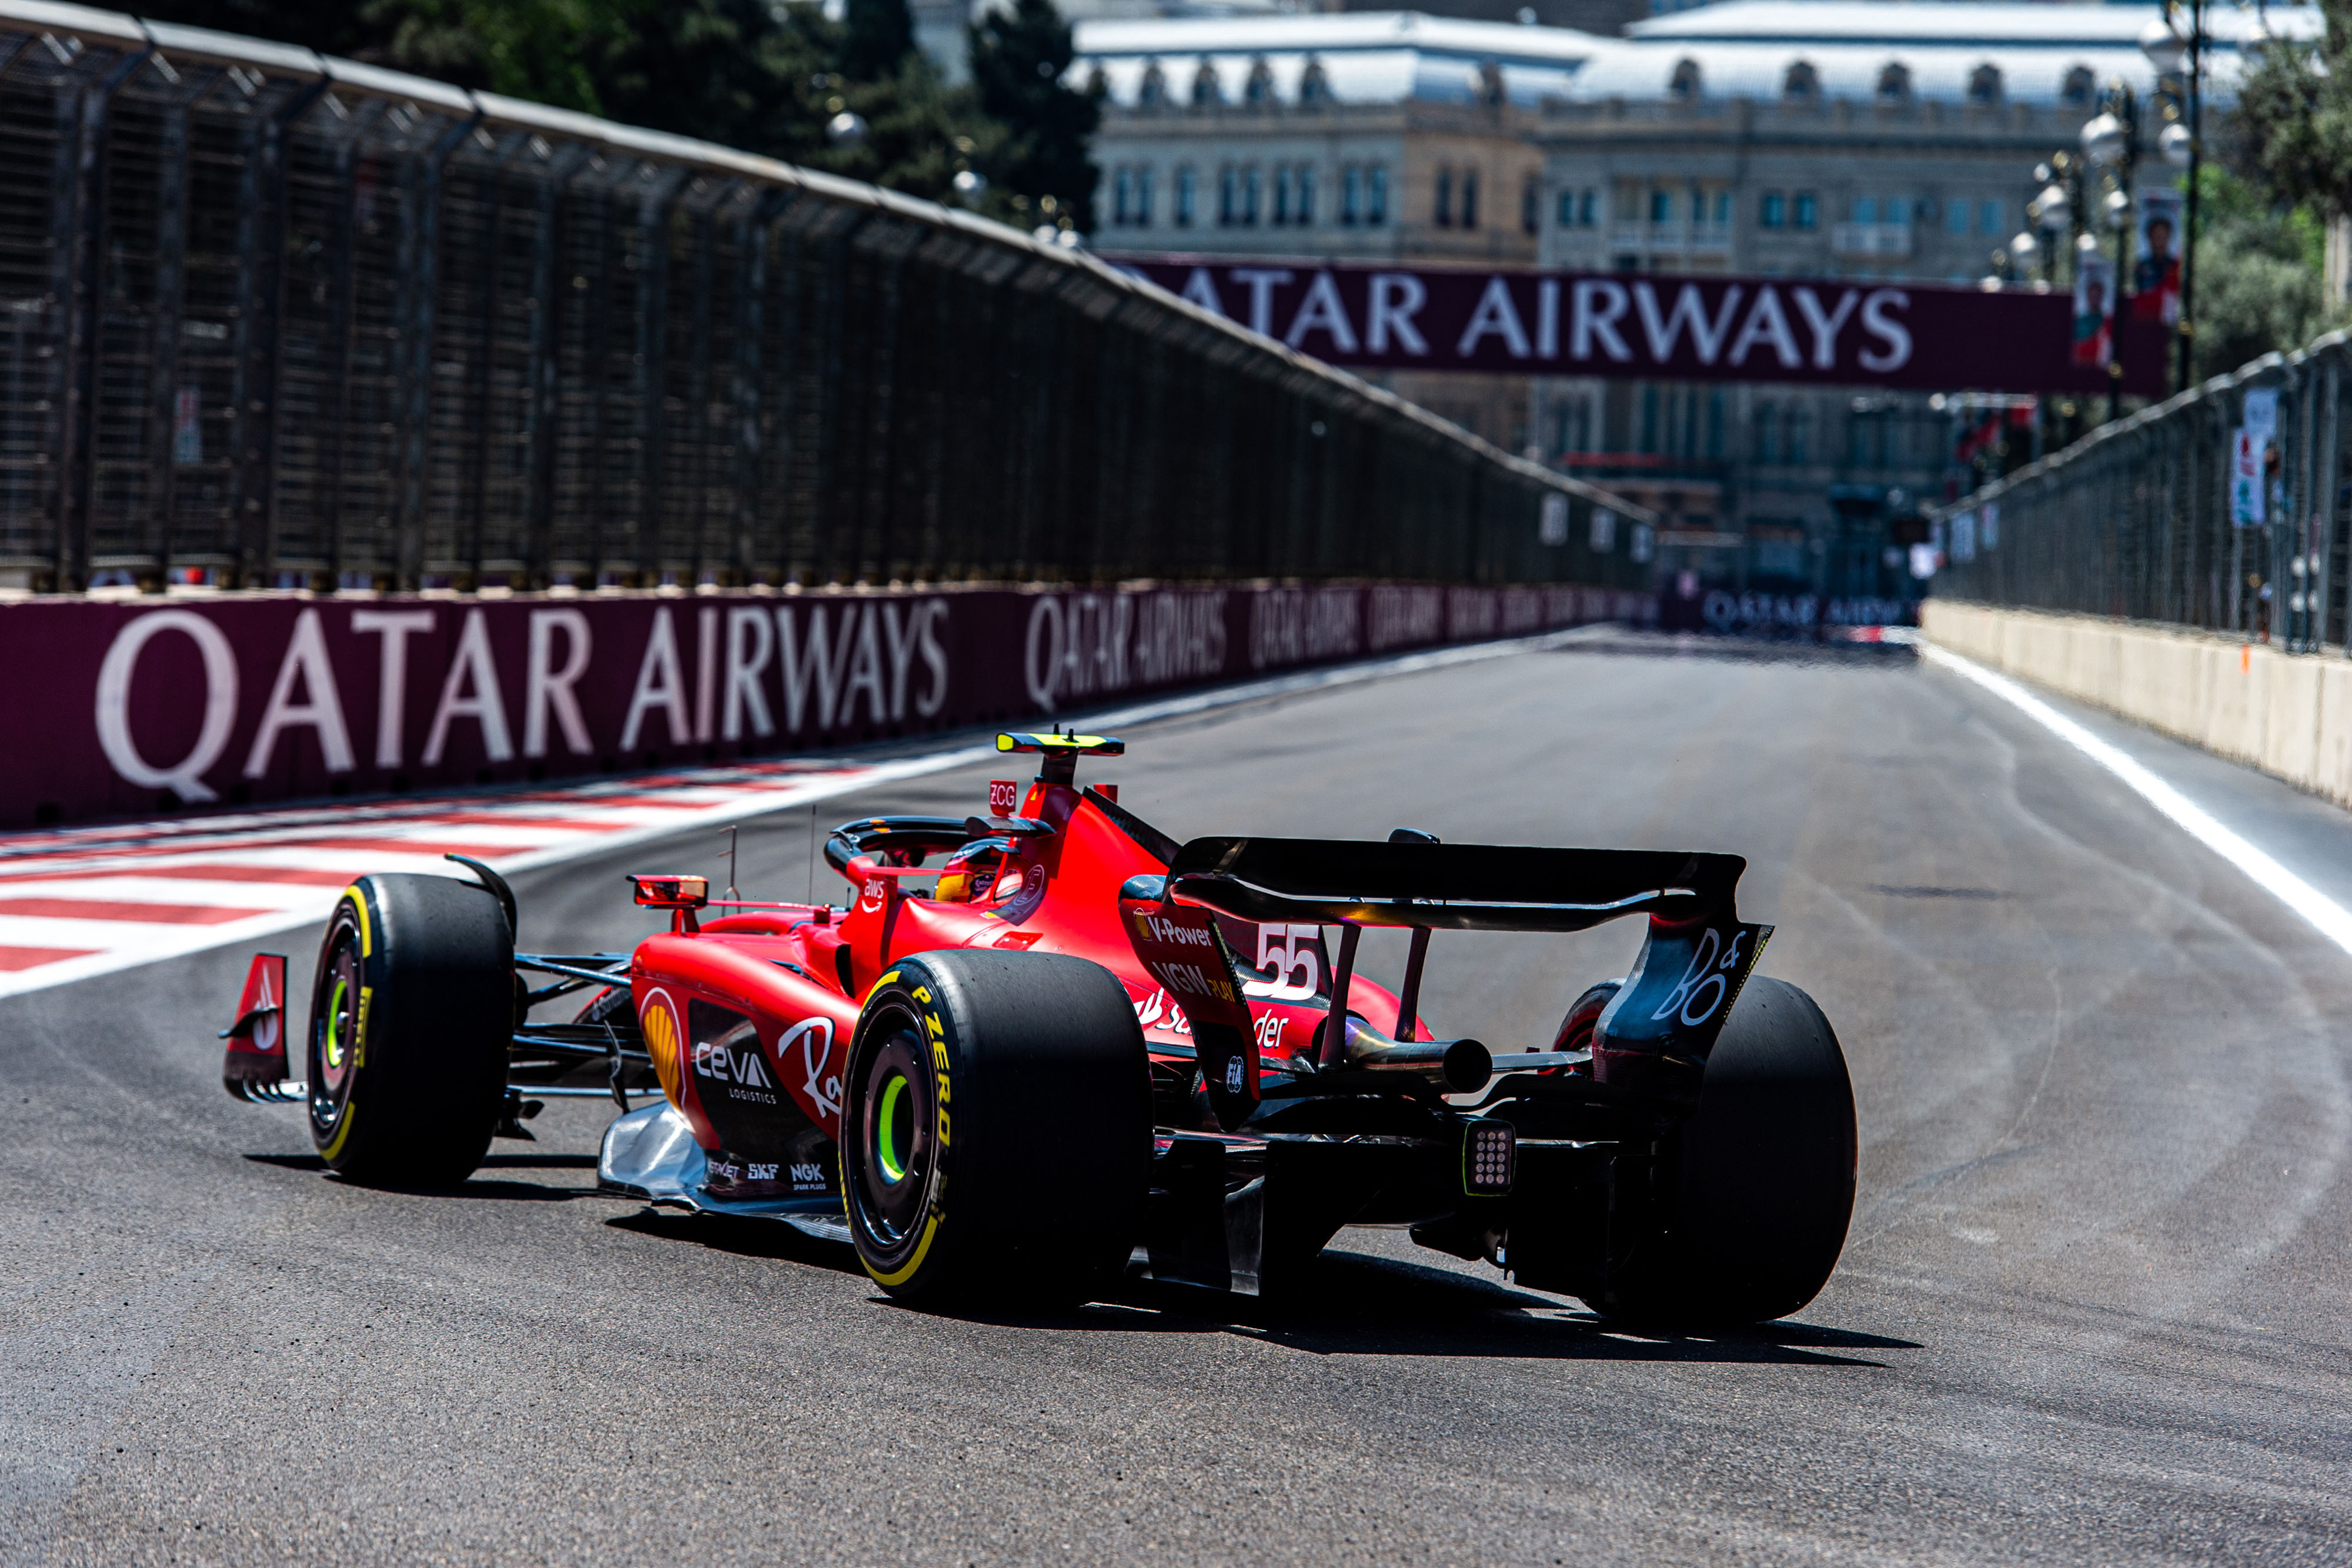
{"x": 936, "y": 1032}
{"x": 358, "y": 897}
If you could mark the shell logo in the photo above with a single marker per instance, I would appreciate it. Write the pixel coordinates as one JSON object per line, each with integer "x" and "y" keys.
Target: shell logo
{"x": 657, "y": 1020}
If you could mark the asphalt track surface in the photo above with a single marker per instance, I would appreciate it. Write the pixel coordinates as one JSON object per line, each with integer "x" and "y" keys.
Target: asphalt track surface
{"x": 2092, "y": 1310}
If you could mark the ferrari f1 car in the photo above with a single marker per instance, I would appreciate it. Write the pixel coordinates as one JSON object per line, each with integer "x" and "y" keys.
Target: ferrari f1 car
{"x": 1044, "y": 1046}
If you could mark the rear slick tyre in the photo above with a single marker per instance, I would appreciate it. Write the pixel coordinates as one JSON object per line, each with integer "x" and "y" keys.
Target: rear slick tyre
{"x": 996, "y": 1133}
{"x": 1761, "y": 1192}
{"x": 411, "y": 1016}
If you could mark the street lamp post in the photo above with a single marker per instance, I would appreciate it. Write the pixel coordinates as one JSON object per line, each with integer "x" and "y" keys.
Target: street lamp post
{"x": 2111, "y": 139}
{"x": 2057, "y": 210}
{"x": 2166, "y": 51}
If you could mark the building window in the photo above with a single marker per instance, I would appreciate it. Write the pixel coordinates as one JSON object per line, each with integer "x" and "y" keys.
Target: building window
{"x": 1258, "y": 90}
{"x": 1442, "y": 212}
{"x": 1567, "y": 209}
{"x": 1205, "y": 87}
{"x": 1989, "y": 216}
{"x": 1648, "y": 442}
{"x": 1984, "y": 84}
{"x": 1723, "y": 209}
{"x": 1282, "y": 193}
{"x": 1530, "y": 204}
{"x": 1803, "y": 84}
{"x": 1588, "y": 207}
{"x": 1684, "y": 84}
{"x": 1469, "y": 198}
{"x": 1184, "y": 196}
{"x": 1153, "y": 94}
{"x": 1120, "y": 186}
{"x": 1376, "y": 196}
{"x": 1351, "y": 195}
{"x": 1229, "y": 190}
{"x": 1767, "y": 427}
{"x": 1895, "y": 82}
{"x": 1806, "y": 211}
{"x": 1865, "y": 209}
{"x": 1252, "y": 190}
{"x": 1314, "y": 82}
{"x": 1662, "y": 205}
{"x": 1898, "y": 210}
{"x": 1955, "y": 217}
{"x": 1773, "y": 212}
{"x": 2076, "y": 93}
{"x": 1143, "y": 198}
{"x": 1304, "y": 213}
{"x": 1800, "y": 433}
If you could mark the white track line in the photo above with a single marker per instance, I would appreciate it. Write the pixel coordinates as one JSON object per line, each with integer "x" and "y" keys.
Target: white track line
{"x": 2330, "y": 917}
{"x": 125, "y": 945}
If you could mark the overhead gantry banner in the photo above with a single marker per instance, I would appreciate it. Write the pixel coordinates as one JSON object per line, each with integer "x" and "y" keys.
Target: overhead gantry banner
{"x": 1661, "y": 327}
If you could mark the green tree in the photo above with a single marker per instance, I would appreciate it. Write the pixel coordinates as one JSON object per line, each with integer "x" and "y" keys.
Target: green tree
{"x": 2260, "y": 286}
{"x": 2291, "y": 132}
{"x": 1018, "y": 60}
{"x": 754, "y": 75}
{"x": 876, "y": 38}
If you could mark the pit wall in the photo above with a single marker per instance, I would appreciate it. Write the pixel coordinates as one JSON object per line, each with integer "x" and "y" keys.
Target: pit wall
{"x": 160, "y": 704}
{"x": 2289, "y": 715}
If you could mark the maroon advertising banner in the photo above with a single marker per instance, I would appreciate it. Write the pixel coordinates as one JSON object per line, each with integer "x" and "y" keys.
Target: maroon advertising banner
{"x": 135, "y": 705}
{"x": 1655, "y": 326}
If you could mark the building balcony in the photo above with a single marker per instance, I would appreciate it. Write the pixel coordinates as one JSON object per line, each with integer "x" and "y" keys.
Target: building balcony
{"x": 1870, "y": 239}
{"x": 1703, "y": 238}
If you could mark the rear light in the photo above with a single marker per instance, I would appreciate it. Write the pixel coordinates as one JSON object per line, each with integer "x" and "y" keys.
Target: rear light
{"x": 672, "y": 892}
{"x": 1489, "y": 1153}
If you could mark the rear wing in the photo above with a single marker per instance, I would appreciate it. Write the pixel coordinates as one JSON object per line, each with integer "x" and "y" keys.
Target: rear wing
{"x": 1448, "y": 887}
{"x": 1655, "y": 1033}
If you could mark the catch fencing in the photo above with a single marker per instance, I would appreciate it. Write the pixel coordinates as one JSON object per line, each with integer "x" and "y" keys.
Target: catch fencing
{"x": 271, "y": 320}
{"x": 2227, "y": 508}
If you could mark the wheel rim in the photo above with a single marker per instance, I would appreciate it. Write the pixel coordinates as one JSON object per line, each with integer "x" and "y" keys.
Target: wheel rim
{"x": 334, "y": 1029}
{"x": 890, "y": 1187}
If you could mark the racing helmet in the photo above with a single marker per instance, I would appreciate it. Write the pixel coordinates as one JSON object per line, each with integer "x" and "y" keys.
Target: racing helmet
{"x": 970, "y": 872}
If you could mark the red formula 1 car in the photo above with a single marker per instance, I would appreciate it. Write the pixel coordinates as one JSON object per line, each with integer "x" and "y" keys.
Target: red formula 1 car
{"x": 1085, "y": 1047}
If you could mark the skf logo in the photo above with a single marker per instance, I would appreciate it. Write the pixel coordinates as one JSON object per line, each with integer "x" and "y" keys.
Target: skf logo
{"x": 657, "y": 1020}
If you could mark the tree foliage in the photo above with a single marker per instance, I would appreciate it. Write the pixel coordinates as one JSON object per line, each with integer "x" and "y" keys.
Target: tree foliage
{"x": 760, "y": 77}
{"x": 2260, "y": 286}
{"x": 2284, "y": 174}
{"x": 1018, "y": 60}
{"x": 2291, "y": 132}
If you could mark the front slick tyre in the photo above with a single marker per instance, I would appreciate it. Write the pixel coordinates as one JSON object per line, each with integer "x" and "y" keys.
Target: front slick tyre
{"x": 996, "y": 1136}
{"x": 411, "y": 1016}
{"x": 1759, "y": 1196}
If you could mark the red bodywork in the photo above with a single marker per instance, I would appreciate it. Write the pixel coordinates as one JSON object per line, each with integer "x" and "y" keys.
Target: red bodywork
{"x": 797, "y": 975}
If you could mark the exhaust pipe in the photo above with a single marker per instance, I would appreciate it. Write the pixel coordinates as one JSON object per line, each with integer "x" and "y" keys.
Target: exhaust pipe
{"x": 1458, "y": 1066}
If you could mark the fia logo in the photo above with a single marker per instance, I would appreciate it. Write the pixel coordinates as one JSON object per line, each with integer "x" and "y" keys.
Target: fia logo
{"x": 1234, "y": 1068}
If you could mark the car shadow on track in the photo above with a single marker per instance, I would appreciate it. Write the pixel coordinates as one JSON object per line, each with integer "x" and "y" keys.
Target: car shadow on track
{"x": 741, "y": 1237}
{"x": 1352, "y": 1304}
{"x": 477, "y": 1187}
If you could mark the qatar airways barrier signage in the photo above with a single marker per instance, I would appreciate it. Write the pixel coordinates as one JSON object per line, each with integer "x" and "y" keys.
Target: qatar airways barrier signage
{"x": 132, "y": 706}
{"x": 1847, "y": 332}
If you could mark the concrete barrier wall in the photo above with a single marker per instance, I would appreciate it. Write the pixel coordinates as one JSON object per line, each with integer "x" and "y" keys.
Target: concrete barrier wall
{"x": 2289, "y": 715}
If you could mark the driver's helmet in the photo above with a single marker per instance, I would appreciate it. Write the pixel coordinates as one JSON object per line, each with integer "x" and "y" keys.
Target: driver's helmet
{"x": 971, "y": 870}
